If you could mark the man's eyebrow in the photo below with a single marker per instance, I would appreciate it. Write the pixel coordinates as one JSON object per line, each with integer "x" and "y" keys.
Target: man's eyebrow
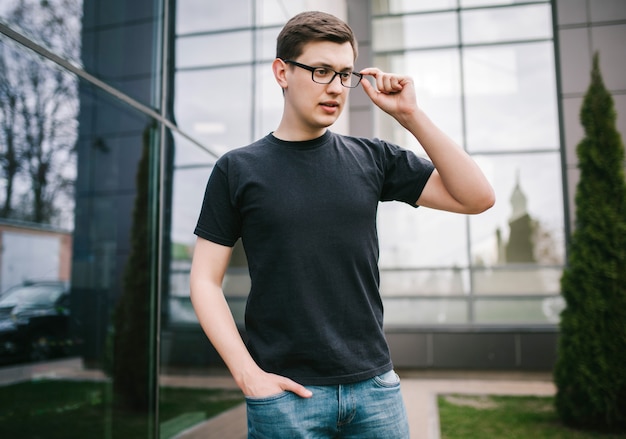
{"x": 345, "y": 69}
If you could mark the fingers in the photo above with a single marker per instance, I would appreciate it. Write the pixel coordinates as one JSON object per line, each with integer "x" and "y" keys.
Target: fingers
{"x": 385, "y": 82}
{"x": 298, "y": 389}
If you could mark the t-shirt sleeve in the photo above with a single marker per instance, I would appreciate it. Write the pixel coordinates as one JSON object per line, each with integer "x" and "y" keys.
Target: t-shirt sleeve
{"x": 406, "y": 174}
{"x": 219, "y": 219}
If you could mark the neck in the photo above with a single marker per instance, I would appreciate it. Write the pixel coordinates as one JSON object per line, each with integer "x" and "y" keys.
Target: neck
{"x": 291, "y": 135}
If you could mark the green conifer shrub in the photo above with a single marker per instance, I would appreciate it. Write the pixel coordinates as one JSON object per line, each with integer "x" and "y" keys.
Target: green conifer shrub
{"x": 590, "y": 373}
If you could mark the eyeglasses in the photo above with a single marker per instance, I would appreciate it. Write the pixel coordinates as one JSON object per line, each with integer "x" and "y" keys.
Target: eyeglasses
{"x": 324, "y": 75}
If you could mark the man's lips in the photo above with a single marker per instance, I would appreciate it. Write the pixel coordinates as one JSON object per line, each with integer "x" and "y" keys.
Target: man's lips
{"x": 330, "y": 105}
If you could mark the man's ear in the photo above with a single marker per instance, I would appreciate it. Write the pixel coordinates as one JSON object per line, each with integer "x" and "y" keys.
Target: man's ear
{"x": 279, "y": 67}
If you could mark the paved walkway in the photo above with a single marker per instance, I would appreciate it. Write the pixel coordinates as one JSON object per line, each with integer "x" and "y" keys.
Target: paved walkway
{"x": 420, "y": 390}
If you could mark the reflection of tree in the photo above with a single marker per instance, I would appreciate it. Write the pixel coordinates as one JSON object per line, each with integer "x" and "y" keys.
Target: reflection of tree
{"x": 131, "y": 320}
{"x": 38, "y": 107}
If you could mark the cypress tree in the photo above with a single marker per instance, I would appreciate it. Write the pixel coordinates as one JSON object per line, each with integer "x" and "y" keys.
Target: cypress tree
{"x": 590, "y": 373}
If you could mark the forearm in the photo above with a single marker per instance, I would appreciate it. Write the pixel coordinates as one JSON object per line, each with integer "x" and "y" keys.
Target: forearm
{"x": 208, "y": 268}
{"x": 462, "y": 178}
{"x": 219, "y": 326}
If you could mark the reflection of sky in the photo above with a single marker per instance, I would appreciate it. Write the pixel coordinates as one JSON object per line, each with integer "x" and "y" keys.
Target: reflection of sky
{"x": 511, "y": 98}
{"x": 192, "y": 169}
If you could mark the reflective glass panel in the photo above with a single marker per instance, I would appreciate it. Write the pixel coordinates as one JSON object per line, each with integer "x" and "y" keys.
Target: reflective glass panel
{"x": 517, "y": 280}
{"x": 411, "y": 312}
{"x": 89, "y": 321}
{"x": 425, "y": 282}
{"x": 213, "y": 106}
{"x": 190, "y": 392}
{"x": 474, "y": 3}
{"x": 412, "y": 238}
{"x": 54, "y": 24}
{"x": 277, "y": 12}
{"x": 415, "y": 31}
{"x": 506, "y": 24}
{"x": 437, "y": 78}
{"x": 215, "y": 49}
{"x": 204, "y": 16}
{"x": 526, "y": 224}
{"x": 266, "y": 43}
{"x": 520, "y": 311}
{"x": 510, "y": 97}
{"x": 269, "y": 101}
{"x": 381, "y": 7}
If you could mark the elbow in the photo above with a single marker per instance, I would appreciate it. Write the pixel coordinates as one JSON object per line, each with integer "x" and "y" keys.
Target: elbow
{"x": 484, "y": 202}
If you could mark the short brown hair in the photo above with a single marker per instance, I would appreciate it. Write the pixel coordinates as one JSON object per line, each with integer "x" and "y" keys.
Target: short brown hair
{"x": 312, "y": 26}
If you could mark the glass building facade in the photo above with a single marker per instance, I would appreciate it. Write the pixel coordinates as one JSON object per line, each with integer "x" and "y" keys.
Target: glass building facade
{"x": 113, "y": 113}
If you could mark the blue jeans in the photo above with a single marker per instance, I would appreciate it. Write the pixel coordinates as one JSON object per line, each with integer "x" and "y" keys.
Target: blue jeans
{"x": 368, "y": 409}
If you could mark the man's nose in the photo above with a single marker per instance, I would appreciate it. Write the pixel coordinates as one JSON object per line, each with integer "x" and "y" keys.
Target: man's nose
{"x": 335, "y": 84}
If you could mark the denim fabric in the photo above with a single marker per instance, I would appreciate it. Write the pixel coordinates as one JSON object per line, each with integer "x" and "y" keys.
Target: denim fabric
{"x": 368, "y": 409}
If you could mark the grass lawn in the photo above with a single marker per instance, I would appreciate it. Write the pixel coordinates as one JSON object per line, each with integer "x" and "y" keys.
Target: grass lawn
{"x": 55, "y": 409}
{"x": 507, "y": 417}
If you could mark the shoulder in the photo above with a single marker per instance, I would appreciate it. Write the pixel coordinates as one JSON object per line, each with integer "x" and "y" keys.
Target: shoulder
{"x": 377, "y": 149}
{"x": 369, "y": 143}
{"x": 355, "y": 143}
{"x": 243, "y": 155}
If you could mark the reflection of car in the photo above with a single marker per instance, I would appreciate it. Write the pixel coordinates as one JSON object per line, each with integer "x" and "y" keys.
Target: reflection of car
{"x": 34, "y": 321}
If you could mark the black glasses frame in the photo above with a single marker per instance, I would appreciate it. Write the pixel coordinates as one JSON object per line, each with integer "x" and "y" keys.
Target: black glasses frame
{"x": 343, "y": 76}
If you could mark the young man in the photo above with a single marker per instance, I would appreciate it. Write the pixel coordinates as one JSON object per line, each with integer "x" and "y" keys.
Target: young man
{"x": 303, "y": 200}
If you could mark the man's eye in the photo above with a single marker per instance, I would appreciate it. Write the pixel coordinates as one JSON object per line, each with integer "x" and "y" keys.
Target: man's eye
{"x": 345, "y": 75}
{"x": 322, "y": 72}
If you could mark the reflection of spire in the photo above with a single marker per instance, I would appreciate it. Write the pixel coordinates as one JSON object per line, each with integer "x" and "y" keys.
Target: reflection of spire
{"x": 520, "y": 247}
{"x": 518, "y": 200}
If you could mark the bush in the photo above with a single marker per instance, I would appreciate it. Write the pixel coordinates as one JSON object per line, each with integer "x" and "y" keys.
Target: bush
{"x": 590, "y": 373}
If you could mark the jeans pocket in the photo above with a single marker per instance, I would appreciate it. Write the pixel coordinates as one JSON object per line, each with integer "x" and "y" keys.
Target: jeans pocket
{"x": 266, "y": 399}
{"x": 388, "y": 379}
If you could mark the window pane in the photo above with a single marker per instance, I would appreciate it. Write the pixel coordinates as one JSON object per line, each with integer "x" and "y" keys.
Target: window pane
{"x": 381, "y": 7}
{"x": 269, "y": 101}
{"x": 210, "y": 50}
{"x": 412, "y": 282}
{"x": 411, "y": 312}
{"x": 510, "y": 97}
{"x": 415, "y": 31}
{"x": 212, "y": 112}
{"x": 525, "y": 226}
{"x": 522, "y": 280}
{"x": 277, "y": 12}
{"x": 506, "y": 24}
{"x": 203, "y": 15}
{"x": 266, "y": 43}
{"x": 538, "y": 311}
{"x": 52, "y": 24}
{"x": 437, "y": 79}
{"x": 412, "y": 238}
{"x": 473, "y": 3}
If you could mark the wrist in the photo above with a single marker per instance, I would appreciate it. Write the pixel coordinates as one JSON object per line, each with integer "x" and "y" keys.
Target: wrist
{"x": 246, "y": 374}
{"x": 413, "y": 120}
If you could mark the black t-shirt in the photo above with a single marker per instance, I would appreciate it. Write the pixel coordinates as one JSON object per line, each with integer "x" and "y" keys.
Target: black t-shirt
{"x": 306, "y": 214}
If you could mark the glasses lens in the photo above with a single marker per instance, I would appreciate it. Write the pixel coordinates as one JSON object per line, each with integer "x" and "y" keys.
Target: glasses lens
{"x": 351, "y": 81}
{"x": 326, "y": 76}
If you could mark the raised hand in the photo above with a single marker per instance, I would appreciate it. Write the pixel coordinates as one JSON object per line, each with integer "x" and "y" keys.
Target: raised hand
{"x": 392, "y": 93}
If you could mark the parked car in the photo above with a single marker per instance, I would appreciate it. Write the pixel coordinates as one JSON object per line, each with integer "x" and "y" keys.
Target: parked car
{"x": 34, "y": 322}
